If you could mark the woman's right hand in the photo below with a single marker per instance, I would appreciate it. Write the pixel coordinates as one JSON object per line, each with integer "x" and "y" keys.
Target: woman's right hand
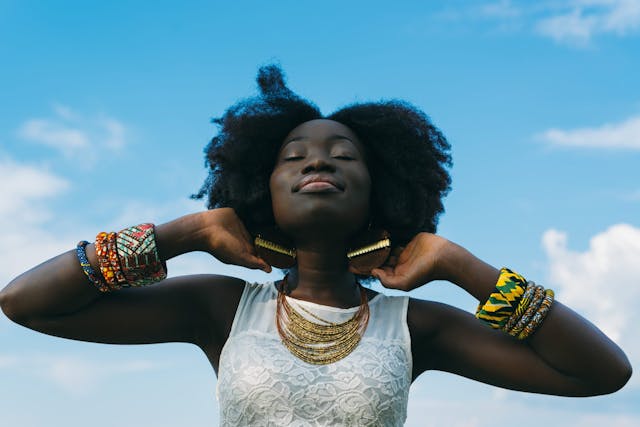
{"x": 225, "y": 237}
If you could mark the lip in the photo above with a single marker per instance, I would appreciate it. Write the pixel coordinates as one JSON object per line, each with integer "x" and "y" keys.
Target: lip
{"x": 318, "y": 183}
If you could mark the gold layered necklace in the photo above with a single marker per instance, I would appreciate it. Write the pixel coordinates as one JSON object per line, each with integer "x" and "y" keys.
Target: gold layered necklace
{"x": 319, "y": 343}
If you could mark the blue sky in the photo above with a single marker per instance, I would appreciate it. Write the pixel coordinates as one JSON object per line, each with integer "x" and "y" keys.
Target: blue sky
{"x": 540, "y": 103}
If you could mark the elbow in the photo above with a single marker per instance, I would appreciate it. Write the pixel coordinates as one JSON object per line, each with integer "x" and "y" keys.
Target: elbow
{"x": 5, "y": 302}
{"x": 621, "y": 374}
{"x": 8, "y": 306}
{"x": 622, "y": 378}
{"x": 615, "y": 380}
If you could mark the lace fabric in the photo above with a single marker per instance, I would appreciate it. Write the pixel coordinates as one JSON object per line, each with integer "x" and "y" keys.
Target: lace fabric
{"x": 261, "y": 384}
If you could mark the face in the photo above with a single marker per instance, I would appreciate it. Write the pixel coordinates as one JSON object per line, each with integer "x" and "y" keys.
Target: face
{"x": 320, "y": 184}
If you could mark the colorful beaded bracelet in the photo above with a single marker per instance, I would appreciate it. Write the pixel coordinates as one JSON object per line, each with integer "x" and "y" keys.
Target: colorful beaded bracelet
{"x": 138, "y": 255}
{"x": 127, "y": 258}
{"x": 522, "y": 307}
{"x": 537, "y": 299}
{"x": 93, "y": 277}
{"x": 539, "y": 316}
{"x": 102, "y": 252}
{"x": 114, "y": 261}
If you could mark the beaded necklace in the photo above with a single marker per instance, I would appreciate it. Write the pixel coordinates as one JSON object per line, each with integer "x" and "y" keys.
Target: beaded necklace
{"x": 319, "y": 343}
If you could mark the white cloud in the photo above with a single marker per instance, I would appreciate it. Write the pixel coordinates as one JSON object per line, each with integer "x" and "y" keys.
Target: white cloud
{"x": 73, "y": 374}
{"x": 581, "y": 20}
{"x": 570, "y": 22}
{"x": 609, "y": 420}
{"x": 572, "y": 27}
{"x": 115, "y": 133}
{"x": 54, "y": 134}
{"x": 503, "y": 9}
{"x": 65, "y": 112}
{"x": 74, "y": 134}
{"x": 622, "y": 135}
{"x": 80, "y": 376}
{"x": 23, "y": 214}
{"x": 7, "y": 361}
{"x": 445, "y": 400}
{"x": 24, "y": 185}
{"x": 601, "y": 282}
{"x": 631, "y": 196}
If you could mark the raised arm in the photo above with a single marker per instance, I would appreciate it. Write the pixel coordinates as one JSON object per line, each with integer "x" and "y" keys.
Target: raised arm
{"x": 56, "y": 297}
{"x": 567, "y": 355}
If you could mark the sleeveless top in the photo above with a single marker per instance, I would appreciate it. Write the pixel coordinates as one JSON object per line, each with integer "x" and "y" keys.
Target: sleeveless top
{"x": 261, "y": 384}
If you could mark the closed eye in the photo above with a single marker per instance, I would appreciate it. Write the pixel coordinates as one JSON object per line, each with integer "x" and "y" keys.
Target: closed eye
{"x": 293, "y": 158}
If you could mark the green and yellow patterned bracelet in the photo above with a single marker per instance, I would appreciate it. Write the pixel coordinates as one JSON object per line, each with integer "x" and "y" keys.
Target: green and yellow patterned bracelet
{"x": 501, "y": 304}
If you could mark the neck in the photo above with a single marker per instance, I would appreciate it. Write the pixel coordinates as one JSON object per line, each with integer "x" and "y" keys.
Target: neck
{"x": 322, "y": 275}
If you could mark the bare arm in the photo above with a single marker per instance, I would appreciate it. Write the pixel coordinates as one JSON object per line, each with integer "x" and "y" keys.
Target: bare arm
{"x": 567, "y": 355}
{"x": 56, "y": 298}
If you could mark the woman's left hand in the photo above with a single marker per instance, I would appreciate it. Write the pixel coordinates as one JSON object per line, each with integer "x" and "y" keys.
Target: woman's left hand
{"x": 414, "y": 265}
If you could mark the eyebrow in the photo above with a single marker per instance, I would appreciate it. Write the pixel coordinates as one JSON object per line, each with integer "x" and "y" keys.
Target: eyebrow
{"x": 331, "y": 138}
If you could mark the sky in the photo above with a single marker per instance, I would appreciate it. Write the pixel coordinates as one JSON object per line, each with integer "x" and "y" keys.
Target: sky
{"x": 106, "y": 108}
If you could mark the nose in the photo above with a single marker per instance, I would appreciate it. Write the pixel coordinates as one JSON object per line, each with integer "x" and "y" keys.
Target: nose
{"x": 318, "y": 162}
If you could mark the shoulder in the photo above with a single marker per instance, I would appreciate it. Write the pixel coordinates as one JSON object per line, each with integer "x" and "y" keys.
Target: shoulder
{"x": 216, "y": 297}
{"x": 220, "y": 289}
{"x": 423, "y": 316}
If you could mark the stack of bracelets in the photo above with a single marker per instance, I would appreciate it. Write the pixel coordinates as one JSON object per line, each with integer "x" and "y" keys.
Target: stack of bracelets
{"x": 128, "y": 258}
{"x": 517, "y": 306}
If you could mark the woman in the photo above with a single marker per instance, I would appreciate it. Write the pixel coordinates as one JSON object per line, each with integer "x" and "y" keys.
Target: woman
{"x": 334, "y": 201}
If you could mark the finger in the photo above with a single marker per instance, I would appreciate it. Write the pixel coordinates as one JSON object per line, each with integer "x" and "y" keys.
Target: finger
{"x": 259, "y": 264}
{"x": 388, "y": 278}
{"x": 382, "y": 274}
{"x": 264, "y": 265}
{"x": 392, "y": 261}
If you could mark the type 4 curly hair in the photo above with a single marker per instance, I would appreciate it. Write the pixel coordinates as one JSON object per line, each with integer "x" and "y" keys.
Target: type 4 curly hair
{"x": 408, "y": 157}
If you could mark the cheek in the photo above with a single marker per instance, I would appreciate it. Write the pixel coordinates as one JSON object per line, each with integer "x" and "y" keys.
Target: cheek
{"x": 277, "y": 190}
{"x": 364, "y": 182}
{"x": 275, "y": 184}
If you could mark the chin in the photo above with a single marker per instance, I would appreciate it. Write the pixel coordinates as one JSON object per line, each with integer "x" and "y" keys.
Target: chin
{"x": 322, "y": 222}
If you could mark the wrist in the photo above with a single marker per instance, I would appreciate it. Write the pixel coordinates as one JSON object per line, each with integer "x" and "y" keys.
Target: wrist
{"x": 462, "y": 268}
{"x": 450, "y": 262}
{"x": 182, "y": 235}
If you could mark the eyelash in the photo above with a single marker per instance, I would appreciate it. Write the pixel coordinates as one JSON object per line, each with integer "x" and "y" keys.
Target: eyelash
{"x": 287, "y": 159}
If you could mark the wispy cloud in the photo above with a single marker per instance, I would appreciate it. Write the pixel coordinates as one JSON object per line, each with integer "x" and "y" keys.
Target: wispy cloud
{"x": 503, "y": 9}
{"x": 24, "y": 212}
{"x": 54, "y": 134}
{"x": 622, "y": 135}
{"x": 447, "y": 403}
{"x": 73, "y": 374}
{"x": 581, "y": 20}
{"x": 24, "y": 185}
{"x": 573, "y": 23}
{"x": 80, "y": 376}
{"x": 73, "y": 133}
{"x": 585, "y": 280}
{"x": 631, "y": 196}
{"x": 7, "y": 361}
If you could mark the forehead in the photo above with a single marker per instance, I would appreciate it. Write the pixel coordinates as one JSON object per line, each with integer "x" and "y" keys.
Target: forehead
{"x": 323, "y": 130}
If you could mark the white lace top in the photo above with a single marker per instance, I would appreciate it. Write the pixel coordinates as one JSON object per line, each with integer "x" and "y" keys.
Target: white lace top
{"x": 261, "y": 384}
